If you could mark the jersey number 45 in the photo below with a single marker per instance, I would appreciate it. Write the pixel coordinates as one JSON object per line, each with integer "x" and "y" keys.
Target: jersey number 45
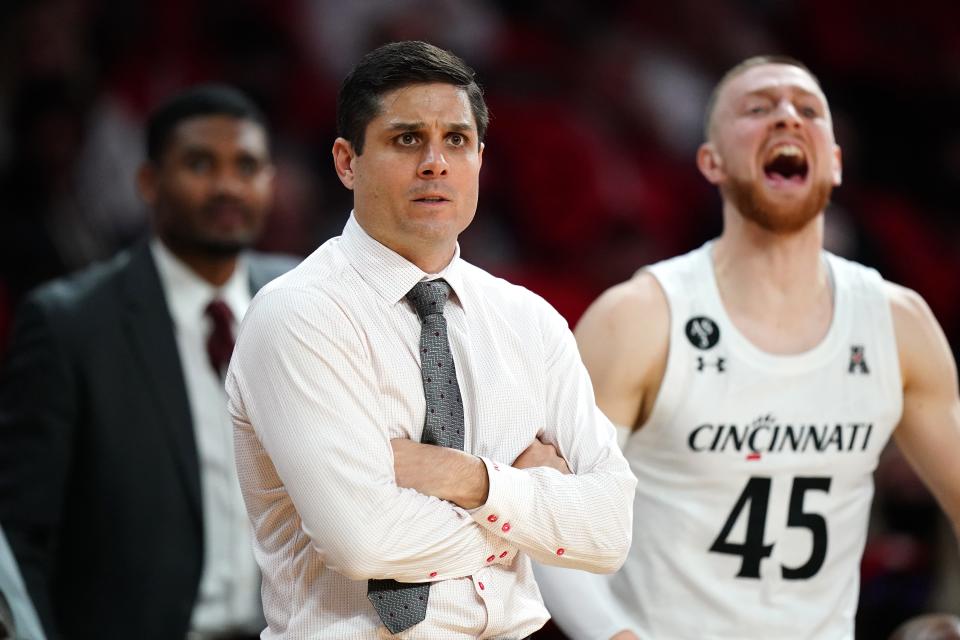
{"x": 755, "y": 497}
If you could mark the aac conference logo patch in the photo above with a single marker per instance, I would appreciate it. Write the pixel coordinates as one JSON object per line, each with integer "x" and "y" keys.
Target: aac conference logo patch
{"x": 702, "y": 332}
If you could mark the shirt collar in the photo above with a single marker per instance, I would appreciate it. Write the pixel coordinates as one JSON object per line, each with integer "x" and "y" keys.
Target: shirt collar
{"x": 387, "y": 272}
{"x": 188, "y": 294}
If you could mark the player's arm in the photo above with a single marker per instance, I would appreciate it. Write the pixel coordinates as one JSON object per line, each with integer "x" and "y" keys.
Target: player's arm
{"x": 929, "y": 431}
{"x": 301, "y": 383}
{"x": 623, "y": 340}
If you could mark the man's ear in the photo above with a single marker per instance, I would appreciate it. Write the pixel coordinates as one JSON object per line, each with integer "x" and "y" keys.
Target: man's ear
{"x": 710, "y": 163}
{"x": 147, "y": 179}
{"x": 837, "y": 169}
{"x": 343, "y": 157}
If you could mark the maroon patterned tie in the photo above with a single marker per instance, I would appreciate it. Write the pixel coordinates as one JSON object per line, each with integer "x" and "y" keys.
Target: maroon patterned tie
{"x": 220, "y": 340}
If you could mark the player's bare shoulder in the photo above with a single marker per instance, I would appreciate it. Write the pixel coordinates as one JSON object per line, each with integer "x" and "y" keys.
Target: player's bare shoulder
{"x": 629, "y": 318}
{"x": 922, "y": 346}
{"x": 906, "y": 304}
{"x": 624, "y": 339}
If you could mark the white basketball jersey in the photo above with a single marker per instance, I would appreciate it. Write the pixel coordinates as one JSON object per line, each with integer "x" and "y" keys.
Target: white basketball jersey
{"x": 755, "y": 470}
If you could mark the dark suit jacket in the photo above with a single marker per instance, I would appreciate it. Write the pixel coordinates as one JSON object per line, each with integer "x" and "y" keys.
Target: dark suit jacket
{"x": 18, "y": 618}
{"x": 99, "y": 479}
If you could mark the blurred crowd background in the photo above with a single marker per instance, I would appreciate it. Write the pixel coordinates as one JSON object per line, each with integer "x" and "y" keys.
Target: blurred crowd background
{"x": 589, "y": 168}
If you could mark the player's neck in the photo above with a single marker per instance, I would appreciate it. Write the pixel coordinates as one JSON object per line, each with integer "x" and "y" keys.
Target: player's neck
{"x": 747, "y": 256}
{"x": 775, "y": 287}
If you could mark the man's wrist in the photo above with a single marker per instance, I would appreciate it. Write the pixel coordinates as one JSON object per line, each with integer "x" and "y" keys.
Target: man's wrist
{"x": 448, "y": 474}
{"x": 475, "y": 484}
{"x": 470, "y": 482}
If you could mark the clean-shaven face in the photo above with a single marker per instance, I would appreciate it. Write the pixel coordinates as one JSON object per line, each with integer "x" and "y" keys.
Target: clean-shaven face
{"x": 416, "y": 183}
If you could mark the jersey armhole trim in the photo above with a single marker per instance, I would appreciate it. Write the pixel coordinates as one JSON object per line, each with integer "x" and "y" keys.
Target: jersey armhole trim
{"x": 666, "y": 402}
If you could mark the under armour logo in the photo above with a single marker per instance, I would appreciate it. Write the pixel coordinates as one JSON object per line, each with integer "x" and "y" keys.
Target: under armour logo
{"x": 857, "y": 360}
{"x": 703, "y": 363}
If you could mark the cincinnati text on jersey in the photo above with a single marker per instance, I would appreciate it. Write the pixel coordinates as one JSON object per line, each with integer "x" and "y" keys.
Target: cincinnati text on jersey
{"x": 767, "y": 435}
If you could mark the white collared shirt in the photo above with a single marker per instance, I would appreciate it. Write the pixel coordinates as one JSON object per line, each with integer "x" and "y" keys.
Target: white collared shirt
{"x": 229, "y": 586}
{"x": 326, "y": 371}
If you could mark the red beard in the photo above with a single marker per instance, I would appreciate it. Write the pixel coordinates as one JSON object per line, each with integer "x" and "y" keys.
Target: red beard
{"x": 776, "y": 217}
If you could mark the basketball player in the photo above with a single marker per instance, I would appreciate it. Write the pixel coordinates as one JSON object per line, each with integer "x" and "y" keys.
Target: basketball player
{"x": 760, "y": 378}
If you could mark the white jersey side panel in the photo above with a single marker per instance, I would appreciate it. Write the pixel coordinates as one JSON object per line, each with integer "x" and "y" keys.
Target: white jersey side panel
{"x": 755, "y": 471}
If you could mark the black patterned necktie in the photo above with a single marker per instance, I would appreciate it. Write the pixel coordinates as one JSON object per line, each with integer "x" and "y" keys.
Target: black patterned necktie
{"x": 402, "y": 605}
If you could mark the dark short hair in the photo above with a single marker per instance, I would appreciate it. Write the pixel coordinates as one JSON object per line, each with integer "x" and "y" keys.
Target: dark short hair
{"x": 397, "y": 65}
{"x": 202, "y": 100}
{"x": 740, "y": 68}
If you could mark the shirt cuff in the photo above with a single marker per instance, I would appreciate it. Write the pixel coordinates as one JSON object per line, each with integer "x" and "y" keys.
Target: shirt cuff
{"x": 508, "y": 499}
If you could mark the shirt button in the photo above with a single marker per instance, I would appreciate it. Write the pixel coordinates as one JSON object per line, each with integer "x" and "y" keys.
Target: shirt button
{"x": 504, "y": 554}
{"x": 561, "y": 551}
{"x": 433, "y": 574}
{"x": 505, "y": 527}
{"x": 480, "y": 584}
{"x": 491, "y": 558}
{"x": 492, "y": 518}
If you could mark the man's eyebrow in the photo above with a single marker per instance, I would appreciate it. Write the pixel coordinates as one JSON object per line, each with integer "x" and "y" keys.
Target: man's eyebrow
{"x": 769, "y": 92}
{"x": 419, "y": 126}
{"x": 197, "y": 150}
{"x": 406, "y": 126}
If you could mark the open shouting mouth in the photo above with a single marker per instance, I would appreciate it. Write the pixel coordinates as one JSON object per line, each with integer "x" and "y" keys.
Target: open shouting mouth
{"x": 786, "y": 164}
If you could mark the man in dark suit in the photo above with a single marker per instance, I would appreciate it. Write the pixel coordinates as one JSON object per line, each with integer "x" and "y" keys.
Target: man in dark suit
{"x": 18, "y": 619}
{"x": 118, "y": 488}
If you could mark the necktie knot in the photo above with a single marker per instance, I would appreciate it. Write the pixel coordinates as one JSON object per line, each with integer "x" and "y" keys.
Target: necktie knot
{"x": 429, "y": 298}
{"x": 220, "y": 341}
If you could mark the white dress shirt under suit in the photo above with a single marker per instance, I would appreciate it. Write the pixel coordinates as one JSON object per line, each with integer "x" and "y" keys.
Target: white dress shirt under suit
{"x": 230, "y": 581}
{"x": 326, "y": 372}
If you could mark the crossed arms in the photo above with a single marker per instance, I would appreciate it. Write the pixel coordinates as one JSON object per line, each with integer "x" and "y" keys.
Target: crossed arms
{"x": 456, "y": 476}
{"x": 302, "y": 380}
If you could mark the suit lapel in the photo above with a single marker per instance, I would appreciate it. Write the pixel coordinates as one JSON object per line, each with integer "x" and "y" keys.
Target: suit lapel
{"x": 264, "y": 267}
{"x": 260, "y": 271}
{"x": 151, "y": 332}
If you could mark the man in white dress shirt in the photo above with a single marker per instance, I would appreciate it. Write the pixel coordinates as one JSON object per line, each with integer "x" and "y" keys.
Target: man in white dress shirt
{"x": 327, "y": 393}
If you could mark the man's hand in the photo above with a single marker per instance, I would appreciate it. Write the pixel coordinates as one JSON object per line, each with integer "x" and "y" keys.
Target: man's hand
{"x": 448, "y": 474}
{"x": 624, "y": 635}
{"x": 540, "y": 454}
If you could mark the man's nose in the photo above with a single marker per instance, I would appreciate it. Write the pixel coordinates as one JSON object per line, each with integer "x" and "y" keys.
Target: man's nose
{"x": 229, "y": 182}
{"x": 433, "y": 164}
{"x": 787, "y": 116}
